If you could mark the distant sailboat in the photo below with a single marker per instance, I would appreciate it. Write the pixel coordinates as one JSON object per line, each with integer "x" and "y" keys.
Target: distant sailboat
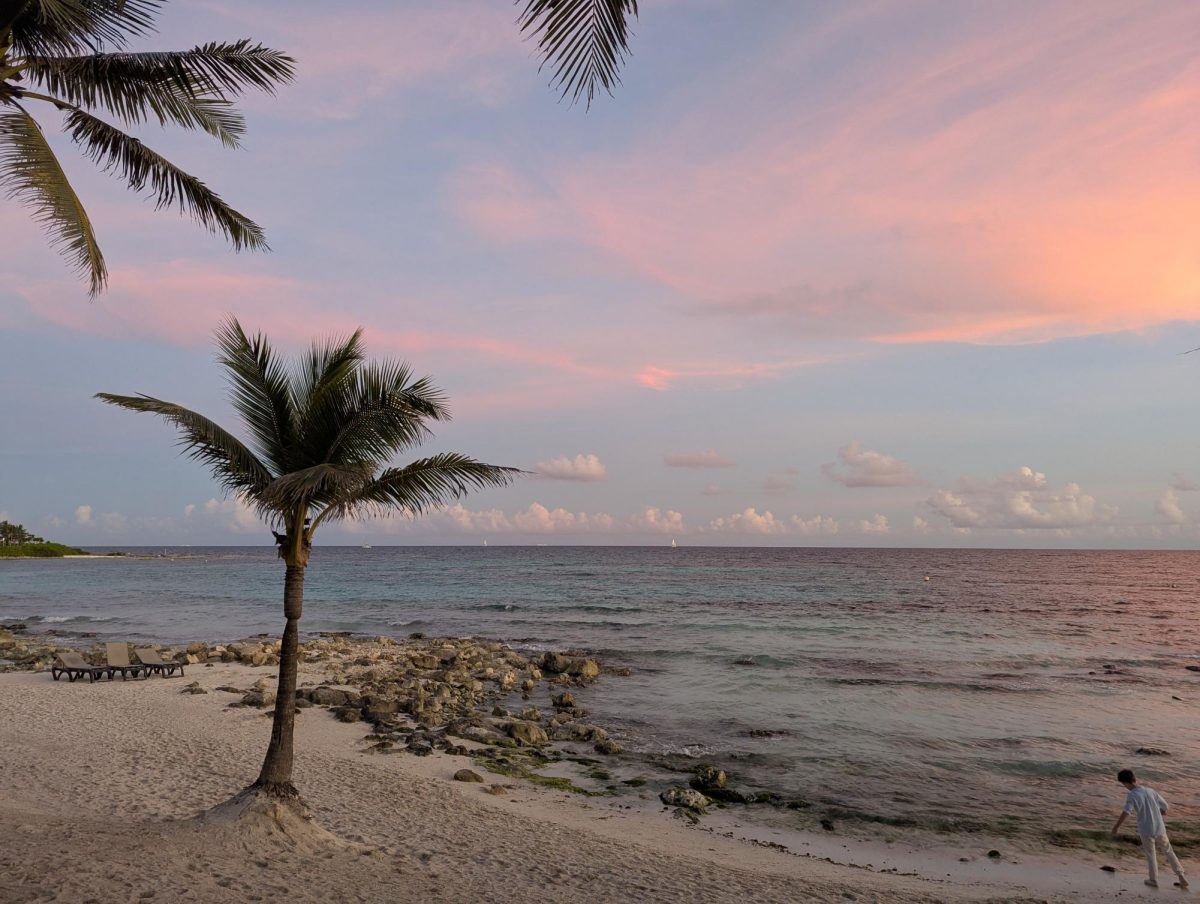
{"x": 485, "y": 542}
{"x": 674, "y": 545}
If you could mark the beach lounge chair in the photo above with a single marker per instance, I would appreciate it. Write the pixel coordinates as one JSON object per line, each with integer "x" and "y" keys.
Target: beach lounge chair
{"x": 74, "y": 666}
{"x": 157, "y": 664}
{"x": 117, "y": 655}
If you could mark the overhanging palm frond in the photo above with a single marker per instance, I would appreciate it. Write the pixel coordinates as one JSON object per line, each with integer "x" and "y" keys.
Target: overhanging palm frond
{"x": 143, "y": 168}
{"x": 420, "y": 486}
{"x": 33, "y": 176}
{"x": 75, "y": 26}
{"x": 138, "y": 86}
{"x": 584, "y": 41}
{"x": 232, "y": 464}
{"x": 260, "y": 392}
{"x": 232, "y": 67}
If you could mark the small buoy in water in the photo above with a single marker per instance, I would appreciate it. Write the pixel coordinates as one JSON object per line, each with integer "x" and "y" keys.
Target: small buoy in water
{"x": 927, "y": 577}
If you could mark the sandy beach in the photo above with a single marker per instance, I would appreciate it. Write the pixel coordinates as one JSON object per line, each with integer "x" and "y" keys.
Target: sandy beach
{"x": 101, "y": 784}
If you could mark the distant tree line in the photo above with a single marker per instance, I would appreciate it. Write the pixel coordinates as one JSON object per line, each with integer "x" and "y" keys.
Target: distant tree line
{"x": 15, "y": 534}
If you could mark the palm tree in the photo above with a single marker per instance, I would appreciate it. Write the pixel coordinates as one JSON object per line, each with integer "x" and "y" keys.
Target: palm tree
{"x": 321, "y": 435}
{"x": 70, "y": 54}
{"x": 584, "y": 41}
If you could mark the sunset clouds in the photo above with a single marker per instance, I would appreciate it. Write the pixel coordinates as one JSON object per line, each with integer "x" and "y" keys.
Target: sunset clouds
{"x": 817, "y": 274}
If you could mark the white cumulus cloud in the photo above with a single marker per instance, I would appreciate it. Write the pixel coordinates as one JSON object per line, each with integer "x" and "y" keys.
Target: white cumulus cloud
{"x": 1168, "y": 506}
{"x": 749, "y": 521}
{"x": 876, "y": 525}
{"x": 861, "y": 467}
{"x": 1018, "y": 500}
{"x": 582, "y": 467}
{"x": 83, "y": 514}
{"x": 234, "y": 515}
{"x": 656, "y": 520}
{"x": 817, "y": 524}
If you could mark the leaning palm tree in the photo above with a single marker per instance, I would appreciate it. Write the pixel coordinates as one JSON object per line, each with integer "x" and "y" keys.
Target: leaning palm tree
{"x": 70, "y": 54}
{"x": 321, "y": 434}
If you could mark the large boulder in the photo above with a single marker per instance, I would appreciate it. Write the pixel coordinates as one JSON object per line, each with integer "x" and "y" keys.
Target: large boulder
{"x": 555, "y": 663}
{"x": 529, "y": 734}
{"x": 607, "y": 746}
{"x": 583, "y": 669}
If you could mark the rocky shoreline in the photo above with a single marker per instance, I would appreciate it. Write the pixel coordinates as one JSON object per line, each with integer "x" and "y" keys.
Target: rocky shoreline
{"x": 513, "y": 713}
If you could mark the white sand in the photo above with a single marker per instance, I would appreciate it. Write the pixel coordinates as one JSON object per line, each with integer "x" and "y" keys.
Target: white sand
{"x": 99, "y": 785}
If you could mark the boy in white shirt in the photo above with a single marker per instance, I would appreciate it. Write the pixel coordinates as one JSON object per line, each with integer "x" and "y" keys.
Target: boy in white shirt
{"x": 1148, "y": 807}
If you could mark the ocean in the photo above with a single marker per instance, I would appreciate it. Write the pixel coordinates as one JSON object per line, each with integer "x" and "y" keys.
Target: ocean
{"x": 947, "y": 690}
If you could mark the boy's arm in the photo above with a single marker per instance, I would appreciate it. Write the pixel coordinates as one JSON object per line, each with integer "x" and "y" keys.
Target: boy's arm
{"x": 1120, "y": 819}
{"x": 1162, "y": 803}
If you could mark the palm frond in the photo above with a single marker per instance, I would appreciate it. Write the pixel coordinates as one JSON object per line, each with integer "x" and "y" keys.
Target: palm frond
{"x": 138, "y": 86}
{"x": 33, "y": 176}
{"x": 231, "y": 462}
{"x": 143, "y": 168}
{"x": 584, "y": 41}
{"x": 328, "y": 366}
{"x": 315, "y": 486}
{"x": 382, "y": 414}
{"x": 231, "y": 68}
{"x": 419, "y": 486}
{"x": 260, "y": 392}
{"x": 77, "y": 26}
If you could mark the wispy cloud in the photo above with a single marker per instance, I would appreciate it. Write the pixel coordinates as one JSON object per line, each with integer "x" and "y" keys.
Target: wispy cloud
{"x": 707, "y": 459}
{"x": 1003, "y": 177}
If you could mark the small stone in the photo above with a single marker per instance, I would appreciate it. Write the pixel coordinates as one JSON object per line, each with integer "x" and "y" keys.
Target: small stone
{"x": 260, "y": 699}
{"x": 193, "y": 688}
{"x": 994, "y": 854}
{"x": 1108, "y": 869}
{"x": 708, "y": 778}
{"x": 467, "y": 775}
{"x": 607, "y": 746}
{"x": 348, "y": 714}
{"x": 686, "y": 798}
{"x": 827, "y": 824}
{"x": 563, "y": 700}
{"x": 1152, "y": 751}
{"x": 498, "y": 790}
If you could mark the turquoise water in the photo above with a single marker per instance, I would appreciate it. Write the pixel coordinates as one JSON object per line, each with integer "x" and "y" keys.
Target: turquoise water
{"x": 1003, "y": 692}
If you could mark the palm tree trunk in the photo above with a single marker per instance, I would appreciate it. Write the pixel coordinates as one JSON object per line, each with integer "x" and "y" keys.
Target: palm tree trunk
{"x": 275, "y": 778}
